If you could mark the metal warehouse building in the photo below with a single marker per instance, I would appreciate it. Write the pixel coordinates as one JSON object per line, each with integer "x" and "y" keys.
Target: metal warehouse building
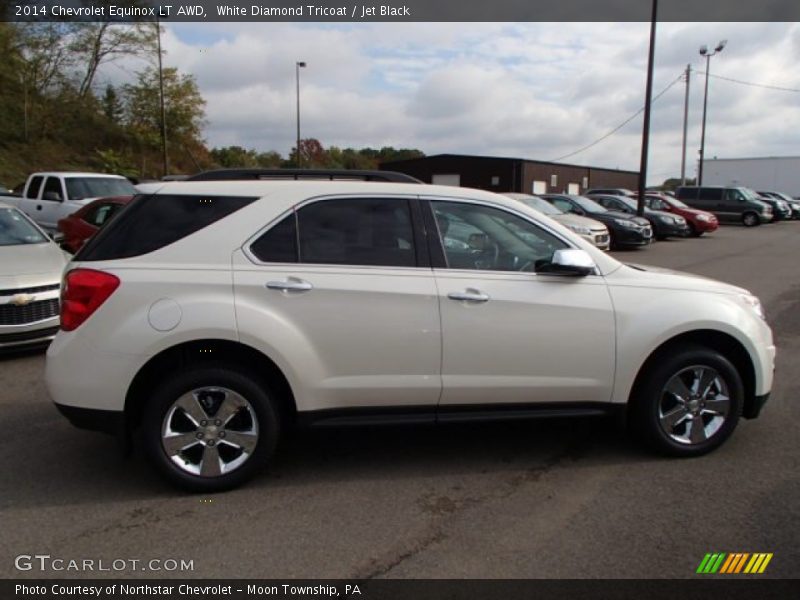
{"x": 511, "y": 174}
{"x": 771, "y": 173}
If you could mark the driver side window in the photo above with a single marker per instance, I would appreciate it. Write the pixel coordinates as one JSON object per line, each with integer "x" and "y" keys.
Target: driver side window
{"x": 489, "y": 239}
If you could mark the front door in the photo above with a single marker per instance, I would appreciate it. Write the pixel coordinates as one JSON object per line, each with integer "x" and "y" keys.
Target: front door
{"x": 511, "y": 335}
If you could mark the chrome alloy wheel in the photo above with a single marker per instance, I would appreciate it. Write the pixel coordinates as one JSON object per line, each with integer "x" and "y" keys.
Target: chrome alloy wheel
{"x": 694, "y": 404}
{"x": 209, "y": 431}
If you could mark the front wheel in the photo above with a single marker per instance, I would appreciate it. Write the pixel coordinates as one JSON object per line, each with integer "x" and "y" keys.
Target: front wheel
{"x": 750, "y": 219}
{"x": 210, "y": 428}
{"x": 688, "y": 403}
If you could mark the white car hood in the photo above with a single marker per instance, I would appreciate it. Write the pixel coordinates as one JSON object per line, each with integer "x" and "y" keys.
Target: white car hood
{"x": 635, "y": 275}
{"x": 27, "y": 264}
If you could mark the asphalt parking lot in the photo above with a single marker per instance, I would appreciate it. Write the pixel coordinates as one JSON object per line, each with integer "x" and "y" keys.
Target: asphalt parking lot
{"x": 561, "y": 499}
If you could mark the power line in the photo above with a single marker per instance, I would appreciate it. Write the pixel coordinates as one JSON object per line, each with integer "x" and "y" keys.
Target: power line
{"x": 750, "y": 83}
{"x": 621, "y": 125}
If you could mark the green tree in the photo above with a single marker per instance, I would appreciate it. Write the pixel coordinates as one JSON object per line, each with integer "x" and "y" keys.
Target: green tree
{"x": 184, "y": 107}
{"x": 112, "y": 104}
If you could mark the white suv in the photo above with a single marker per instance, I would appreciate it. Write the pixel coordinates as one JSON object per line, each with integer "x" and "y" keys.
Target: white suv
{"x": 213, "y": 315}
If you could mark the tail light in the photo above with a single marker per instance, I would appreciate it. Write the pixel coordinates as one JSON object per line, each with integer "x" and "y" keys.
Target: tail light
{"x": 83, "y": 292}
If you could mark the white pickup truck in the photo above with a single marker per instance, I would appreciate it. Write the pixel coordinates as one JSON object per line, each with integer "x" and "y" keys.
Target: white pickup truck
{"x": 48, "y": 197}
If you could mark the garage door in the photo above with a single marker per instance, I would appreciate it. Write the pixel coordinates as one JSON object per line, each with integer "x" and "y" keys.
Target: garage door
{"x": 446, "y": 179}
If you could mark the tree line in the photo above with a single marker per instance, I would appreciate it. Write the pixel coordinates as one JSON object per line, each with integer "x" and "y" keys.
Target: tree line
{"x": 57, "y": 113}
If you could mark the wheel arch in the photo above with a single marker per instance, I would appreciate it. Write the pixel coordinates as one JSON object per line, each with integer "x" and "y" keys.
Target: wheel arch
{"x": 722, "y": 342}
{"x": 211, "y": 351}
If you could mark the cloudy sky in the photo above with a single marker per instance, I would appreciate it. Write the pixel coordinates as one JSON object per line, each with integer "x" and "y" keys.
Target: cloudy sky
{"x": 532, "y": 90}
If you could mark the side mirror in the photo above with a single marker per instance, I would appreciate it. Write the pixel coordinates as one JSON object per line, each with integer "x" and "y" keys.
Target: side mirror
{"x": 570, "y": 262}
{"x": 54, "y": 196}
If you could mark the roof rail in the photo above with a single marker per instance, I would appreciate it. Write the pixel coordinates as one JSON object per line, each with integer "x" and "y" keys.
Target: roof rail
{"x": 298, "y": 174}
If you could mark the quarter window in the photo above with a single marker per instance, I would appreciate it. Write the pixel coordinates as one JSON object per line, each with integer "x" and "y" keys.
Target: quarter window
{"x": 488, "y": 239}
{"x": 279, "y": 243}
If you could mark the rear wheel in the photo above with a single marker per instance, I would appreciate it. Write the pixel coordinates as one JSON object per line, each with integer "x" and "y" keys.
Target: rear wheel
{"x": 688, "y": 403}
{"x": 210, "y": 428}
{"x": 750, "y": 219}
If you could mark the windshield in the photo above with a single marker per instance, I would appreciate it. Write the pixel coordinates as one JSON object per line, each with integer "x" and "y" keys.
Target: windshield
{"x": 79, "y": 188}
{"x": 750, "y": 194}
{"x": 629, "y": 202}
{"x": 543, "y": 206}
{"x": 15, "y": 229}
{"x": 588, "y": 205}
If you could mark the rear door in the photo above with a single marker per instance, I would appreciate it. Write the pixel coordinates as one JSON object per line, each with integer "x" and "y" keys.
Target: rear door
{"x": 341, "y": 294}
{"x": 510, "y": 335}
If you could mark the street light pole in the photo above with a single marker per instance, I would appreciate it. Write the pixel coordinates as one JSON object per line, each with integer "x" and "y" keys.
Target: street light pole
{"x": 685, "y": 124}
{"x": 161, "y": 101}
{"x": 704, "y": 52}
{"x": 297, "y": 67}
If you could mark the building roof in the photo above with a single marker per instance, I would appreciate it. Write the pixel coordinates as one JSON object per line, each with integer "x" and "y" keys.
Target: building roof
{"x": 528, "y": 160}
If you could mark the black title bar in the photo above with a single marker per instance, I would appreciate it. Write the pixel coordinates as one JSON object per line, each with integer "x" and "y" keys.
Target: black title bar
{"x": 359, "y": 11}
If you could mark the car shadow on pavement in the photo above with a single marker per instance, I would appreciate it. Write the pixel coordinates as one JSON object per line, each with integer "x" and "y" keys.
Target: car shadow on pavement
{"x": 70, "y": 467}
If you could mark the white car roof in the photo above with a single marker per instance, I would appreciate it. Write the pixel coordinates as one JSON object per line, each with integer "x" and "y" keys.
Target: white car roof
{"x": 75, "y": 174}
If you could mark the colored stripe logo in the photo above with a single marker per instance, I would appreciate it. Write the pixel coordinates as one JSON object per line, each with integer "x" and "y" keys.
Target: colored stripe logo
{"x": 734, "y": 563}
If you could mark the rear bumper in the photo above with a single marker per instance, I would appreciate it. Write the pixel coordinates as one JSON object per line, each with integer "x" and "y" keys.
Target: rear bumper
{"x": 93, "y": 419}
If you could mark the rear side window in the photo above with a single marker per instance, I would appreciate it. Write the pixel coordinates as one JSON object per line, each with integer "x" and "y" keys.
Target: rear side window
{"x": 357, "y": 231}
{"x": 711, "y": 193}
{"x": 151, "y": 222}
{"x": 686, "y": 193}
{"x": 33, "y": 188}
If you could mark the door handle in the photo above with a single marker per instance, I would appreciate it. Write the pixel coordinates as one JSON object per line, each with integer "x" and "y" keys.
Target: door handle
{"x": 469, "y": 295}
{"x": 38, "y": 207}
{"x": 290, "y": 285}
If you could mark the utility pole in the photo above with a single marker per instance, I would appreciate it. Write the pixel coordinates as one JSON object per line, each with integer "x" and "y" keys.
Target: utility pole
{"x": 685, "y": 124}
{"x": 297, "y": 66}
{"x": 647, "y": 101}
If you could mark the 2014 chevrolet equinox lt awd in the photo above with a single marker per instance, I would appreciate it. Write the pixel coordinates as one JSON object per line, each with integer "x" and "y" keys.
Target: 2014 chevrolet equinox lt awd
{"x": 212, "y": 316}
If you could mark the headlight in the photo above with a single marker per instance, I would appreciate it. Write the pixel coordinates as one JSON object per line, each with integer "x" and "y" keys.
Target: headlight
{"x": 704, "y": 218}
{"x": 580, "y": 229}
{"x": 626, "y": 223}
{"x": 680, "y": 220}
{"x": 755, "y": 304}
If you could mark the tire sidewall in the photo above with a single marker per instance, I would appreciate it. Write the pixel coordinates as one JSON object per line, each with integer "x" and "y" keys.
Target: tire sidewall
{"x": 645, "y": 407}
{"x": 250, "y": 388}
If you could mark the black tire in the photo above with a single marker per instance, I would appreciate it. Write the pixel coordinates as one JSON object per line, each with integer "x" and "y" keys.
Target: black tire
{"x": 262, "y": 410}
{"x": 750, "y": 219}
{"x": 649, "y": 398}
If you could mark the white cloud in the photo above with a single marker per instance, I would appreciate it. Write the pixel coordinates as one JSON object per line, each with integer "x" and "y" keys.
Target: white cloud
{"x": 535, "y": 90}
